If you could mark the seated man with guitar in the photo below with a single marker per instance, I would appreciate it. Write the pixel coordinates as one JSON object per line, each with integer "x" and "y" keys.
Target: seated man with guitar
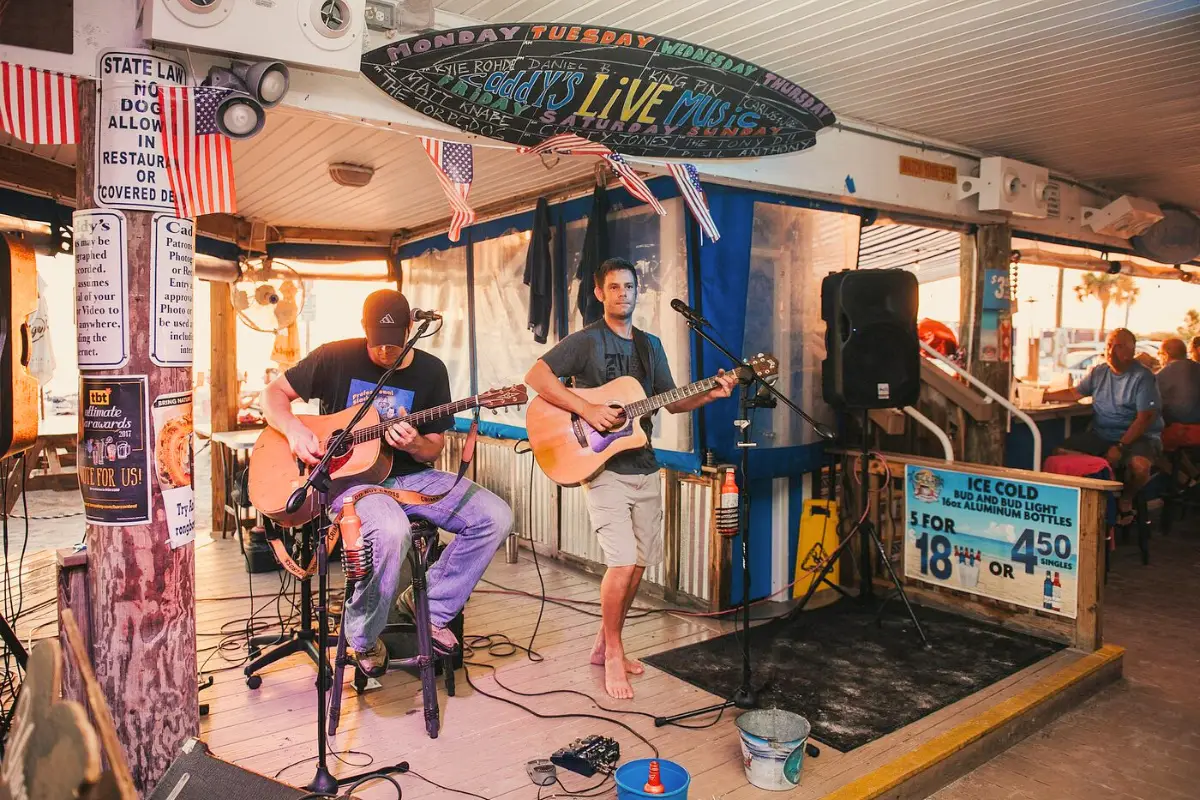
{"x": 623, "y": 496}
{"x": 341, "y": 374}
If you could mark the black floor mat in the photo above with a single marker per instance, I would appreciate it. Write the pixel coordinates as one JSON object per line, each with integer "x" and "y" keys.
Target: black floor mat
{"x": 855, "y": 680}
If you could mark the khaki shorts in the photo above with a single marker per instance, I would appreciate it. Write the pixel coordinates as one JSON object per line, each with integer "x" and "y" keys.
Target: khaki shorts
{"x": 626, "y": 513}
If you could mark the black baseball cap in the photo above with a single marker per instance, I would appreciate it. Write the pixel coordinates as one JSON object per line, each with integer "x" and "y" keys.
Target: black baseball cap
{"x": 385, "y": 318}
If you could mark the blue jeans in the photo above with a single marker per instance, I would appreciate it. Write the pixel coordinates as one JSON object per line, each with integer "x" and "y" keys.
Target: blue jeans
{"x": 480, "y": 521}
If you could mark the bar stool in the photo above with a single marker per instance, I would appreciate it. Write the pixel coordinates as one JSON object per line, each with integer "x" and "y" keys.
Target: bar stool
{"x": 425, "y": 550}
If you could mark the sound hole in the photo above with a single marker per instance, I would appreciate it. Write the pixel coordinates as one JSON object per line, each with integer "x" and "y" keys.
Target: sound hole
{"x": 345, "y": 447}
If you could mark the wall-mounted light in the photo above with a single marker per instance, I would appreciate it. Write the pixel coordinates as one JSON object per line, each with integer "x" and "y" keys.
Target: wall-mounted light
{"x": 250, "y": 90}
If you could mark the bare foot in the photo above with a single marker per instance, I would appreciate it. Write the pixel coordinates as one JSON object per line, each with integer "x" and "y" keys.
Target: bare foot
{"x": 616, "y": 682}
{"x": 598, "y": 652}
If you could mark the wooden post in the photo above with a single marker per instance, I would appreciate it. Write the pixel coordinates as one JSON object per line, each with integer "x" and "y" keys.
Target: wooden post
{"x": 71, "y": 569}
{"x": 223, "y": 390}
{"x": 142, "y": 593}
{"x": 988, "y": 249}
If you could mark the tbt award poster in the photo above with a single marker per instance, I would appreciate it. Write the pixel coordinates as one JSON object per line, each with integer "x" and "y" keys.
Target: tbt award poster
{"x": 113, "y": 458}
{"x": 1010, "y": 540}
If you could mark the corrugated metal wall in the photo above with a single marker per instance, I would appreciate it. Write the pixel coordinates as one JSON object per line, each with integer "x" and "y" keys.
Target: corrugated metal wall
{"x": 560, "y": 520}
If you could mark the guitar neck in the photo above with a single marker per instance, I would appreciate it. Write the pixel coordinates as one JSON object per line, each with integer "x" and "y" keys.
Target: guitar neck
{"x": 651, "y": 404}
{"x": 371, "y": 432}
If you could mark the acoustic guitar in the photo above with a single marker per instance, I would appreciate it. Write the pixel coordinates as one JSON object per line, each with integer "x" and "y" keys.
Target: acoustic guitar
{"x": 570, "y": 451}
{"x": 18, "y": 389}
{"x": 275, "y": 473}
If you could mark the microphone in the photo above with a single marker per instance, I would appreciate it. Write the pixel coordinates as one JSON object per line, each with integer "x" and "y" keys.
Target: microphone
{"x": 296, "y": 500}
{"x": 689, "y": 313}
{"x": 420, "y": 316}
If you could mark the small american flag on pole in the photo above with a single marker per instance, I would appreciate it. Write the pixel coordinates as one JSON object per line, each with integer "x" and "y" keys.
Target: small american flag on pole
{"x": 199, "y": 156}
{"x": 634, "y": 183}
{"x": 37, "y": 106}
{"x": 455, "y": 165}
{"x": 688, "y": 179}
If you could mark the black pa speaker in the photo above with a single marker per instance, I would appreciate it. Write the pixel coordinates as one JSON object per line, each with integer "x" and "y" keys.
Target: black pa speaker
{"x": 872, "y": 356}
{"x": 199, "y": 775}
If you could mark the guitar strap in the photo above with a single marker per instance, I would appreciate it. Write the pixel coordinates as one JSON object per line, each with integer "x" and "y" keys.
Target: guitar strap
{"x": 406, "y": 497}
{"x": 641, "y": 350}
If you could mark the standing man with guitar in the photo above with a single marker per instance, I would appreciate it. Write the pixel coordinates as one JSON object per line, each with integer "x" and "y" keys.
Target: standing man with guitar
{"x": 623, "y": 499}
{"x": 341, "y": 374}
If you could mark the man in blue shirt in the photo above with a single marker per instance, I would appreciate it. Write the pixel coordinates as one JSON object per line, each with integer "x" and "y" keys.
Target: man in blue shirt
{"x": 1126, "y": 420}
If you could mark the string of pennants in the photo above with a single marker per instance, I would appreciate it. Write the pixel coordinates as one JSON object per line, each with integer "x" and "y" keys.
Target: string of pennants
{"x": 41, "y": 107}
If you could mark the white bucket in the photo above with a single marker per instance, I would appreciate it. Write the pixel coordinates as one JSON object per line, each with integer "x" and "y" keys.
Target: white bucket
{"x": 773, "y": 747}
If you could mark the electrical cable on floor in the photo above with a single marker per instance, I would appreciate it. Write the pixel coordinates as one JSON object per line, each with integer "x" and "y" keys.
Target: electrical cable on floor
{"x": 446, "y": 788}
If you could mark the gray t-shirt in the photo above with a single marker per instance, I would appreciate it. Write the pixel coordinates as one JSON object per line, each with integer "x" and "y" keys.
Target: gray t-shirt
{"x": 1179, "y": 385}
{"x": 593, "y": 357}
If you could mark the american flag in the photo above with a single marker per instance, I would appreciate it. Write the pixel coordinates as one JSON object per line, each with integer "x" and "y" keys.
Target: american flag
{"x": 455, "y": 165}
{"x": 633, "y": 183}
{"x": 567, "y": 144}
{"x": 688, "y": 179}
{"x": 199, "y": 156}
{"x": 37, "y": 106}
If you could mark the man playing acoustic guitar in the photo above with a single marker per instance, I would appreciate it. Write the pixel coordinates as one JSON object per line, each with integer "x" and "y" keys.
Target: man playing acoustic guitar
{"x": 623, "y": 500}
{"x": 341, "y": 374}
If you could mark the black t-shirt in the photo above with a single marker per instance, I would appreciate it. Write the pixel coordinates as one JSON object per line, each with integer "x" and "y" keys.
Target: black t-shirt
{"x": 341, "y": 374}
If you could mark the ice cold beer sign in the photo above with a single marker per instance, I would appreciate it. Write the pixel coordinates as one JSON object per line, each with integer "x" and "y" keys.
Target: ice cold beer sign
{"x": 637, "y": 93}
{"x": 131, "y": 170}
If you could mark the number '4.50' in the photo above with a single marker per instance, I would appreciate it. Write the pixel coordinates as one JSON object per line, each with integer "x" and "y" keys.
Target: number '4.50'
{"x": 1023, "y": 549}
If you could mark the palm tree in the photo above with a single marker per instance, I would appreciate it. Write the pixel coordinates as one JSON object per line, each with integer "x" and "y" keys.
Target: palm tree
{"x": 1102, "y": 288}
{"x": 1126, "y": 294}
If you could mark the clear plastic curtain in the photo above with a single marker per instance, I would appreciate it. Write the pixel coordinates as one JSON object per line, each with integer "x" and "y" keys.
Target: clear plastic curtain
{"x": 792, "y": 250}
{"x": 437, "y": 280}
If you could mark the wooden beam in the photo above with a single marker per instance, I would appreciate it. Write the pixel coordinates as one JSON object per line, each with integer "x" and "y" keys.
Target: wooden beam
{"x": 223, "y": 389}
{"x": 26, "y": 172}
{"x": 296, "y": 235}
{"x": 988, "y": 249}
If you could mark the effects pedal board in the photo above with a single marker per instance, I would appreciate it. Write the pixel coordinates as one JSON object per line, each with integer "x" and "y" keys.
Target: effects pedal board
{"x": 589, "y": 755}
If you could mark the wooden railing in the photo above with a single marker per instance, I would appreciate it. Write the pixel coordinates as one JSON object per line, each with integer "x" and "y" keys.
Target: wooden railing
{"x": 886, "y": 495}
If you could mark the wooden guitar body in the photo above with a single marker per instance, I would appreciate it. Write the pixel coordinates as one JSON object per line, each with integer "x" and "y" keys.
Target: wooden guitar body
{"x": 18, "y": 389}
{"x": 569, "y": 450}
{"x": 275, "y": 473}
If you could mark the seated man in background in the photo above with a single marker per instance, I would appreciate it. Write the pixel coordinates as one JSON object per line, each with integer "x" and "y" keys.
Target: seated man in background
{"x": 1126, "y": 423}
{"x": 1179, "y": 387}
{"x": 1194, "y": 349}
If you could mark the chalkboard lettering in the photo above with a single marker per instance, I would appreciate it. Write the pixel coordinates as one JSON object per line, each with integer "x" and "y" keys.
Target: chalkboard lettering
{"x": 637, "y": 93}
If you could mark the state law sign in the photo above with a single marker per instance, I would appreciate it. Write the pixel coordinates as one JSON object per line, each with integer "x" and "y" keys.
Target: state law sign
{"x": 131, "y": 169}
{"x": 637, "y": 93}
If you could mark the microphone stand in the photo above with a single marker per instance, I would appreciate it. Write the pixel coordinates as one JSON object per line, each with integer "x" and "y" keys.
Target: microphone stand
{"x": 318, "y": 480}
{"x": 750, "y": 397}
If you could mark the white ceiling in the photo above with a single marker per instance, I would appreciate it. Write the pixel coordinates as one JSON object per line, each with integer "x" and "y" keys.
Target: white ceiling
{"x": 1106, "y": 91}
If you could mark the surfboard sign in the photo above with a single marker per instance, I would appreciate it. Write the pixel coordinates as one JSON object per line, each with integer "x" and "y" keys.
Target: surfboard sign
{"x": 637, "y": 93}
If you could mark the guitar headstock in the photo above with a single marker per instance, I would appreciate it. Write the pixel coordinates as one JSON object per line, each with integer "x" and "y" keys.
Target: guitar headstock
{"x": 763, "y": 365}
{"x": 516, "y": 395}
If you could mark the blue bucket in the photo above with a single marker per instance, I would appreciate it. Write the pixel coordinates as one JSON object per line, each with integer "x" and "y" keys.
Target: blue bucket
{"x": 632, "y": 776}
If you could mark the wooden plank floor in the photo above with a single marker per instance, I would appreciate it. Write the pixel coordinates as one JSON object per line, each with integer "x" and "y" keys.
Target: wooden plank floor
{"x": 485, "y": 743}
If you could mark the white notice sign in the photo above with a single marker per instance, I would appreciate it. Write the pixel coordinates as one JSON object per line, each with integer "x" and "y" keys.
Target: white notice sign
{"x": 171, "y": 252}
{"x": 131, "y": 170}
{"x": 101, "y": 289}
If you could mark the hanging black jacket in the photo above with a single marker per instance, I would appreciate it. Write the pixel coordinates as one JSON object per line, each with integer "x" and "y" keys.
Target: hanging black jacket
{"x": 595, "y": 251}
{"x": 537, "y": 273}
